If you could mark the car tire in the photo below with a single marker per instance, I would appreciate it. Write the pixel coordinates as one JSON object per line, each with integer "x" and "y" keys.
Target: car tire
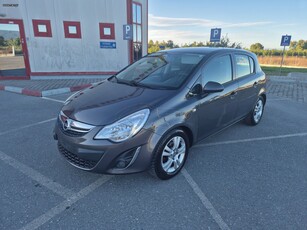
{"x": 254, "y": 117}
{"x": 170, "y": 155}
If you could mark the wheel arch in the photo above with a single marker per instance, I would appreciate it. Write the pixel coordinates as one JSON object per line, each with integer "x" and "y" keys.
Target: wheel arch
{"x": 262, "y": 93}
{"x": 188, "y": 131}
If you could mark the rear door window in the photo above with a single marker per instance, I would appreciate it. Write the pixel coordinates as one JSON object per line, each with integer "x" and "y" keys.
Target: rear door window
{"x": 243, "y": 66}
{"x": 218, "y": 70}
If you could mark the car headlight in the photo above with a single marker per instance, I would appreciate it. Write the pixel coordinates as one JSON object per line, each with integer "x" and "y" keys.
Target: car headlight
{"x": 124, "y": 128}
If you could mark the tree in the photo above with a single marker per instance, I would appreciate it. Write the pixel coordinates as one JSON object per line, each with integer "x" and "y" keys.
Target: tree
{"x": 2, "y": 41}
{"x": 153, "y": 47}
{"x": 225, "y": 42}
{"x": 257, "y": 46}
{"x": 13, "y": 42}
{"x": 170, "y": 44}
{"x": 300, "y": 45}
{"x": 293, "y": 45}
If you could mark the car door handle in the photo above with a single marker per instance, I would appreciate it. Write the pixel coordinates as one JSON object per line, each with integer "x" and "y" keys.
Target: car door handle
{"x": 233, "y": 94}
{"x": 255, "y": 84}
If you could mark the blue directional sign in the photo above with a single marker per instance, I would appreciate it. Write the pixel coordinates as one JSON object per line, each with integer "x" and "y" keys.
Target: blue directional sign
{"x": 108, "y": 45}
{"x": 285, "y": 40}
{"x": 215, "y": 35}
{"x": 128, "y": 32}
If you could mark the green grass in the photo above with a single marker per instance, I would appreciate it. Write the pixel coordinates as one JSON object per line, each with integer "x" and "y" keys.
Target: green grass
{"x": 274, "y": 70}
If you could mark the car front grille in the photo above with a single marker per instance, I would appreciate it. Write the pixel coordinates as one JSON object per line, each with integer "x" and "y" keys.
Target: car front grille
{"x": 72, "y": 127}
{"x": 76, "y": 160}
{"x": 71, "y": 133}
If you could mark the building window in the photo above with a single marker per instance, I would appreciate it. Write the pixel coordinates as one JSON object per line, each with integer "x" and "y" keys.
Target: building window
{"x": 107, "y": 31}
{"x": 72, "y": 29}
{"x": 137, "y": 30}
{"x": 42, "y": 28}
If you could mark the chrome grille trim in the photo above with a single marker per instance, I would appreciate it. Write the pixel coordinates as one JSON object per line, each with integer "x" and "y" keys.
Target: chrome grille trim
{"x": 72, "y": 125}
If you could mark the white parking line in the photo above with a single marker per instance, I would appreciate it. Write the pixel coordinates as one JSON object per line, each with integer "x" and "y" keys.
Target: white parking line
{"x": 51, "y": 99}
{"x": 35, "y": 175}
{"x": 38, "y": 222}
{"x": 27, "y": 126}
{"x": 206, "y": 202}
{"x": 252, "y": 139}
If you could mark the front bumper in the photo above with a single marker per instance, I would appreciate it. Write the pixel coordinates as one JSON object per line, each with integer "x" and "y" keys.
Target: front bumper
{"x": 103, "y": 156}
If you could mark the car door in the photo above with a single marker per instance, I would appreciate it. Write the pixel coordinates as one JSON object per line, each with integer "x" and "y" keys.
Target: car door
{"x": 247, "y": 83}
{"x": 217, "y": 110}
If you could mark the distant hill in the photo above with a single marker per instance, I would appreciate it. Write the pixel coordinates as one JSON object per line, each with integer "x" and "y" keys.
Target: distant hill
{"x": 9, "y": 34}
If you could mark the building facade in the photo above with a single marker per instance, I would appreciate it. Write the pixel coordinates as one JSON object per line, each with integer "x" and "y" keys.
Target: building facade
{"x": 77, "y": 37}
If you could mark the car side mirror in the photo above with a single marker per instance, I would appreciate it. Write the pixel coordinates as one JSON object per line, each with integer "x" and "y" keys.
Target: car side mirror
{"x": 213, "y": 87}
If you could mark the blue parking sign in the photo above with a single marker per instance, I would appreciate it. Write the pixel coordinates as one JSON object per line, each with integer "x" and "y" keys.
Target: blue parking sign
{"x": 285, "y": 40}
{"x": 215, "y": 35}
{"x": 128, "y": 32}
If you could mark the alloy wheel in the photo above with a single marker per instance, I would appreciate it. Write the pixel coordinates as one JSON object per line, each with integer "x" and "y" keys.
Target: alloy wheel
{"x": 258, "y": 111}
{"x": 173, "y": 154}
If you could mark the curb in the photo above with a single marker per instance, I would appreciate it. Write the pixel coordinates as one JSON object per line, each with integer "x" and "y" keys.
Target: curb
{"x": 37, "y": 93}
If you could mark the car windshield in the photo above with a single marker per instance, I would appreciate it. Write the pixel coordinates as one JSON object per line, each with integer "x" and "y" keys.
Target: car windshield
{"x": 160, "y": 71}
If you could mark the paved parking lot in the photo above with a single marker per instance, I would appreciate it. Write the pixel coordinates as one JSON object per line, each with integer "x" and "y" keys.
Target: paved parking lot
{"x": 243, "y": 178}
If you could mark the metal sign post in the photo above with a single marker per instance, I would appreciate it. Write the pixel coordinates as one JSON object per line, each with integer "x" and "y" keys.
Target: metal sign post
{"x": 285, "y": 41}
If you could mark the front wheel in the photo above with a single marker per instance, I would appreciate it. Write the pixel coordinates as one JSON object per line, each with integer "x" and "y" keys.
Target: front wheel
{"x": 255, "y": 115}
{"x": 170, "y": 155}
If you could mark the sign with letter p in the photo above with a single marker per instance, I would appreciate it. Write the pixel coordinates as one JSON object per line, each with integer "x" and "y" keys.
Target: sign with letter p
{"x": 215, "y": 35}
{"x": 285, "y": 40}
{"x": 128, "y": 32}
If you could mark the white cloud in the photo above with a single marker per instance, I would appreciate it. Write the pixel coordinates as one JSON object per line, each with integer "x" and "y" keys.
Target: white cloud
{"x": 171, "y": 22}
{"x": 168, "y": 21}
{"x": 178, "y": 36}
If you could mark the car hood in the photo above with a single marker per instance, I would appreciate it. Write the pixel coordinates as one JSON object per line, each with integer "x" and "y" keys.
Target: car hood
{"x": 107, "y": 102}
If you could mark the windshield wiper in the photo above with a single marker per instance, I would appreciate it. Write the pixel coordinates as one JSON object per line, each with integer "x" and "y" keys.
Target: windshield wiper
{"x": 113, "y": 77}
{"x": 131, "y": 83}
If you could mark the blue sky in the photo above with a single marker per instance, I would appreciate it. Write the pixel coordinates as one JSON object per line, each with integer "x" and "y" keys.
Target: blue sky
{"x": 245, "y": 21}
{"x": 248, "y": 22}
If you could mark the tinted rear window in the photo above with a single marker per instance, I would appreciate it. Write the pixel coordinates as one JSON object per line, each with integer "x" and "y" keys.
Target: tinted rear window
{"x": 243, "y": 67}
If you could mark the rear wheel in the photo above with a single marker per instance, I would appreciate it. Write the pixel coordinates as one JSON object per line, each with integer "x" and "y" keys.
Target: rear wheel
{"x": 170, "y": 155}
{"x": 255, "y": 115}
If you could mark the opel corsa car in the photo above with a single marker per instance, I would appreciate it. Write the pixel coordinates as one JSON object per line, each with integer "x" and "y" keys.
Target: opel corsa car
{"x": 147, "y": 116}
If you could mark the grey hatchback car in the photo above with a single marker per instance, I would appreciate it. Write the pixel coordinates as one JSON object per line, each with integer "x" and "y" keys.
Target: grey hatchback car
{"x": 147, "y": 116}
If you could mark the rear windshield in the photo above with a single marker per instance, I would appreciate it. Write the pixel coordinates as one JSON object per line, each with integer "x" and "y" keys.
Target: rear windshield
{"x": 166, "y": 71}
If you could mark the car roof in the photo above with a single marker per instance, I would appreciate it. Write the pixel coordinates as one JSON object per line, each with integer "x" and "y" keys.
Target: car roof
{"x": 202, "y": 50}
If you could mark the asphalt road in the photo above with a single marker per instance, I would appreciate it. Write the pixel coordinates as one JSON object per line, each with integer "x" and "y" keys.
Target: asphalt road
{"x": 243, "y": 178}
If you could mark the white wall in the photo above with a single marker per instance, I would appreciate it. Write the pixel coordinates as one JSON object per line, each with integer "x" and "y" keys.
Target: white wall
{"x": 60, "y": 54}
